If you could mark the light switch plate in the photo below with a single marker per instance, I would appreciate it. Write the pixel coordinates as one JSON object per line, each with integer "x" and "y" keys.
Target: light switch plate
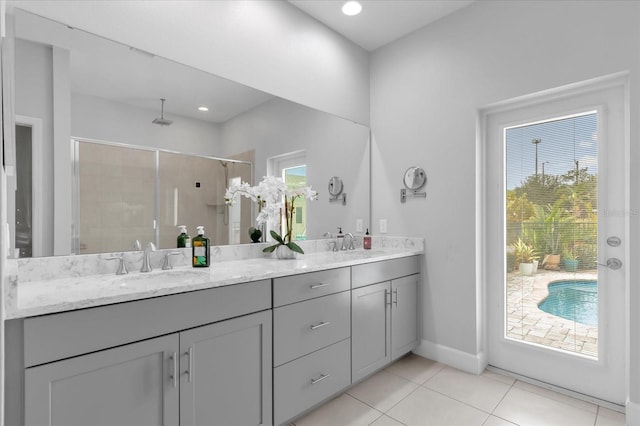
{"x": 359, "y": 225}
{"x": 383, "y": 226}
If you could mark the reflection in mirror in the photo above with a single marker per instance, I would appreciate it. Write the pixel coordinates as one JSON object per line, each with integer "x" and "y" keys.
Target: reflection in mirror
{"x": 83, "y": 87}
{"x": 120, "y": 186}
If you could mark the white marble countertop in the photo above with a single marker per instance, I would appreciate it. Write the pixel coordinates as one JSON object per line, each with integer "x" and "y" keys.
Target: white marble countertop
{"x": 48, "y": 296}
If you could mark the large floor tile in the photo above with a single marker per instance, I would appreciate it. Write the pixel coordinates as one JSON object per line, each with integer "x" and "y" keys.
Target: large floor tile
{"x": 415, "y": 368}
{"x": 578, "y": 403}
{"x": 531, "y": 409}
{"x": 383, "y": 390}
{"x": 425, "y": 407}
{"x": 499, "y": 377}
{"x": 479, "y": 391}
{"x": 386, "y": 421}
{"x": 343, "y": 410}
{"x": 608, "y": 417}
{"x": 497, "y": 421}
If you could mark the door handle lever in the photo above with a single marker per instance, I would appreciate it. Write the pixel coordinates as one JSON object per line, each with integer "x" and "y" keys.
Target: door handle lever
{"x": 613, "y": 263}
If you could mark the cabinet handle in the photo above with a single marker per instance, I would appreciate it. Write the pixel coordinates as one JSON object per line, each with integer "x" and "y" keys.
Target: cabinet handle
{"x": 174, "y": 369}
{"x": 314, "y": 286}
{"x": 395, "y": 302}
{"x": 189, "y": 370}
{"x": 387, "y": 297}
{"x": 322, "y": 324}
{"x": 319, "y": 379}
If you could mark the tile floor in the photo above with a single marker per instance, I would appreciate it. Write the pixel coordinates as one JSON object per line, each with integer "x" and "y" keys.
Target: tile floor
{"x": 418, "y": 391}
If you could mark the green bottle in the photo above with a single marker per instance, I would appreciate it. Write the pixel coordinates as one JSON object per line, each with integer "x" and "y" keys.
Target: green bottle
{"x": 200, "y": 249}
{"x": 184, "y": 240}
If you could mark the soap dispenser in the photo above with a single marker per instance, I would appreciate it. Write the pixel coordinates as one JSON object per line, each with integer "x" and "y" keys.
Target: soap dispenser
{"x": 184, "y": 240}
{"x": 200, "y": 249}
{"x": 366, "y": 241}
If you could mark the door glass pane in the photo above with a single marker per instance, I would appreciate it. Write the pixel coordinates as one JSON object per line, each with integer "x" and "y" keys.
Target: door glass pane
{"x": 296, "y": 177}
{"x": 551, "y": 203}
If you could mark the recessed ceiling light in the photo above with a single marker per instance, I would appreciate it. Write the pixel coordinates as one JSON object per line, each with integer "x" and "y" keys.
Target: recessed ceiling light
{"x": 351, "y": 8}
{"x": 203, "y": 108}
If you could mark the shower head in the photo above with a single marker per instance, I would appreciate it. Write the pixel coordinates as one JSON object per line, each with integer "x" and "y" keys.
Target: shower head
{"x": 162, "y": 121}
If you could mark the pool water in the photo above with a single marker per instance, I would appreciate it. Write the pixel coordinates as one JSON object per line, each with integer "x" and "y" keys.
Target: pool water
{"x": 575, "y": 300}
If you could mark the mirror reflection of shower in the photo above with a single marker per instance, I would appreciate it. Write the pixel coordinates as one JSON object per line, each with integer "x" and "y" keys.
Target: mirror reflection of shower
{"x": 225, "y": 165}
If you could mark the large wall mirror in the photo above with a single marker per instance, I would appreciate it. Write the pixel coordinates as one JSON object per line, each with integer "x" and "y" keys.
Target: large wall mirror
{"x": 81, "y": 100}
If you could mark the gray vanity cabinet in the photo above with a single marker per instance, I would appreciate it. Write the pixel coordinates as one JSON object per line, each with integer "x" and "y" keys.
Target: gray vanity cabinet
{"x": 203, "y": 368}
{"x": 128, "y": 385}
{"x": 384, "y": 317}
{"x": 225, "y": 373}
{"x": 311, "y": 330}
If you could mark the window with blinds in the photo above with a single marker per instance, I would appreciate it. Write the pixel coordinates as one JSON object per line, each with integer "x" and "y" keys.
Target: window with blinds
{"x": 551, "y": 229}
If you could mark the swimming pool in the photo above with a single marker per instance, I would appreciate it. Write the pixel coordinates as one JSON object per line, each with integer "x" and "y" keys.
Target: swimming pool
{"x": 575, "y": 300}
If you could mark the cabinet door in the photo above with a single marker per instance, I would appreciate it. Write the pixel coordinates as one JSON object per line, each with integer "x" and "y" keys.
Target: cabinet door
{"x": 226, "y": 373}
{"x": 129, "y": 385}
{"x": 370, "y": 329}
{"x": 404, "y": 315}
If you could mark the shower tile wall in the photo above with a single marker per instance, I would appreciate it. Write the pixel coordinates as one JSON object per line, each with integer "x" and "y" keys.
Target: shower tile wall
{"x": 116, "y": 197}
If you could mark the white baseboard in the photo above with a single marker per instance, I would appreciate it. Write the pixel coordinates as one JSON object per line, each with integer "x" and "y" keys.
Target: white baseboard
{"x": 464, "y": 361}
{"x": 632, "y": 411}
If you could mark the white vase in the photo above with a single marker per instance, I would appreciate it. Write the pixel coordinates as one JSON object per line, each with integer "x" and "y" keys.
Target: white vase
{"x": 284, "y": 252}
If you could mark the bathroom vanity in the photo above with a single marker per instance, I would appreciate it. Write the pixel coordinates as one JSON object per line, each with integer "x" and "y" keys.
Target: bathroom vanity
{"x": 257, "y": 348}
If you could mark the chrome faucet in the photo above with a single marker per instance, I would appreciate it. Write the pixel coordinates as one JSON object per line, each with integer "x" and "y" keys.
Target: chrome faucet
{"x": 122, "y": 268}
{"x": 167, "y": 260}
{"x": 351, "y": 241}
{"x": 146, "y": 258}
{"x": 334, "y": 245}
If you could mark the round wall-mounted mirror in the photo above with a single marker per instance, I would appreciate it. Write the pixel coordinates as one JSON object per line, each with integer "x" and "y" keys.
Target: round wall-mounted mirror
{"x": 414, "y": 178}
{"x": 335, "y": 186}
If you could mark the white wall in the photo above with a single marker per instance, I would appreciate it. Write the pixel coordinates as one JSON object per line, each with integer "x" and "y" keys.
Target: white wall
{"x": 34, "y": 86}
{"x": 268, "y": 45}
{"x": 334, "y": 147}
{"x": 425, "y": 92}
{"x": 101, "y": 119}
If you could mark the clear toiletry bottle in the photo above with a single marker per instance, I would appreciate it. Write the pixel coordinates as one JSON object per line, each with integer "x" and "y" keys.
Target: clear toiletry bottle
{"x": 184, "y": 240}
{"x": 200, "y": 249}
{"x": 366, "y": 241}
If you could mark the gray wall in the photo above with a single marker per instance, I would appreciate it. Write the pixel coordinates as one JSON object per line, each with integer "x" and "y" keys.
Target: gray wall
{"x": 426, "y": 90}
{"x": 333, "y": 146}
{"x": 96, "y": 118}
{"x": 269, "y": 45}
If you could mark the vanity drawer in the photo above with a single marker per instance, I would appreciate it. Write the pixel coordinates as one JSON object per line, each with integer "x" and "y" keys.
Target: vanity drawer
{"x": 296, "y": 288}
{"x": 309, "y": 380}
{"x": 377, "y": 272}
{"x": 307, "y": 326}
{"x": 52, "y": 337}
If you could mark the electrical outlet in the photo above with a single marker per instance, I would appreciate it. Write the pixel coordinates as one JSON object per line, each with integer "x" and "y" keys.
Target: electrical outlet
{"x": 359, "y": 225}
{"x": 383, "y": 226}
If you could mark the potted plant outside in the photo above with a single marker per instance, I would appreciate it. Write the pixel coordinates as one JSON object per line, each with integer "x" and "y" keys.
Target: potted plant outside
{"x": 524, "y": 254}
{"x": 569, "y": 260}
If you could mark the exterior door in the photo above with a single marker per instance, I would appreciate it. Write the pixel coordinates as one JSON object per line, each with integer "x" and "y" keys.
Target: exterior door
{"x": 556, "y": 182}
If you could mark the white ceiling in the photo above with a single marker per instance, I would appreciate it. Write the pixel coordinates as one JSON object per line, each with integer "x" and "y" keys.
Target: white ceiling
{"x": 381, "y": 21}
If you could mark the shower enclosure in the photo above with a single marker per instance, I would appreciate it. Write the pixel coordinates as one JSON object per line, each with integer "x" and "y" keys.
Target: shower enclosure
{"x": 126, "y": 193}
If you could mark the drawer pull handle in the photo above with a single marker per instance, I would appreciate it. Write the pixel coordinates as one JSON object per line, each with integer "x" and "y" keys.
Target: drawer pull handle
{"x": 174, "y": 369}
{"x": 322, "y": 324}
{"x": 319, "y": 379}
{"x": 395, "y": 302}
{"x": 189, "y": 370}
{"x": 314, "y": 286}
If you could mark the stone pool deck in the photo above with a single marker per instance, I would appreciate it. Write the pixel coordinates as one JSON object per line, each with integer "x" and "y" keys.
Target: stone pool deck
{"x": 528, "y": 323}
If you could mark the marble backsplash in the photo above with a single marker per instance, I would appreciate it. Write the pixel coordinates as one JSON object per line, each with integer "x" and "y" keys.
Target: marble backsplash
{"x": 57, "y": 267}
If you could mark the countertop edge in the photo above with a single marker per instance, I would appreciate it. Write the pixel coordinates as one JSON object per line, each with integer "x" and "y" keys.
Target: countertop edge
{"x": 297, "y": 266}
